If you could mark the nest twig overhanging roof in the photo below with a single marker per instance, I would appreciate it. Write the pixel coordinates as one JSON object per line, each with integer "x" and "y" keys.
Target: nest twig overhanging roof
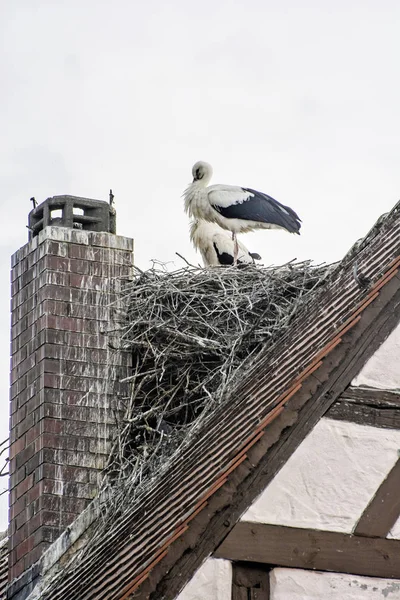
{"x": 190, "y": 332}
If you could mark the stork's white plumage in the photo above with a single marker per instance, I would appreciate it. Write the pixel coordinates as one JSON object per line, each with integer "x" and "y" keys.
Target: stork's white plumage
{"x": 235, "y": 208}
{"x": 216, "y": 245}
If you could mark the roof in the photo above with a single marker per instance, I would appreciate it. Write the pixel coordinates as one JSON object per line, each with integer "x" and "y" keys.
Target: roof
{"x": 195, "y": 501}
{"x": 3, "y": 565}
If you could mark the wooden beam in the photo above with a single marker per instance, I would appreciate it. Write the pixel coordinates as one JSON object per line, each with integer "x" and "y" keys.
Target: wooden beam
{"x": 250, "y": 582}
{"x": 372, "y": 396}
{"x": 384, "y": 509}
{"x": 311, "y": 549}
{"x": 366, "y": 406}
{"x": 364, "y": 414}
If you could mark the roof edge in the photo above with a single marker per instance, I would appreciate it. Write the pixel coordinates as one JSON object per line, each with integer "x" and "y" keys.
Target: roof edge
{"x": 49, "y": 563}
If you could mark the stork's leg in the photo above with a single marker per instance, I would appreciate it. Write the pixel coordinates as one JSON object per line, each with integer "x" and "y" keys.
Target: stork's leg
{"x": 235, "y": 249}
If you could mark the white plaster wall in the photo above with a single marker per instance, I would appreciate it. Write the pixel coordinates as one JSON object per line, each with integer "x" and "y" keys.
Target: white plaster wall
{"x": 212, "y": 581}
{"x": 296, "y": 584}
{"x": 383, "y": 368}
{"x": 329, "y": 479}
{"x": 395, "y": 532}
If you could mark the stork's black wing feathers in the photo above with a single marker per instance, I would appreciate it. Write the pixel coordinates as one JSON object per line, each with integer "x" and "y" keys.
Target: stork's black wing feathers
{"x": 224, "y": 258}
{"x": 261, "y": 207}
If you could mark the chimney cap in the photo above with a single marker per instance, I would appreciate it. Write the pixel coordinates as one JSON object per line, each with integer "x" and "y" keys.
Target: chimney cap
{"x": 73, "y": 212}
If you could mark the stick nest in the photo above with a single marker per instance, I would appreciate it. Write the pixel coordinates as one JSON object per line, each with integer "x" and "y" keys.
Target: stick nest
{"x": 191, "y": 333}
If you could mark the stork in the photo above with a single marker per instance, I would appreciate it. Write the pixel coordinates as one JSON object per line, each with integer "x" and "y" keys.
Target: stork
{"x": 235, "y": 208}
{"x": 216, "y": 246}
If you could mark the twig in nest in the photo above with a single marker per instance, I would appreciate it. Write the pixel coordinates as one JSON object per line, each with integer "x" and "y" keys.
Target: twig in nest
{"x": 186, "y": 261}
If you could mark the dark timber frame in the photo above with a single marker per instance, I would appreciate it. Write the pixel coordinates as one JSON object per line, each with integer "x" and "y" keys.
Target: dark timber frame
{"x": 250, "y": 582}
{"x": 367, "y": 406}
{"x": 366, "y": 552}
{"x": 384, "y": 509}
{"x": 311, "y": 549}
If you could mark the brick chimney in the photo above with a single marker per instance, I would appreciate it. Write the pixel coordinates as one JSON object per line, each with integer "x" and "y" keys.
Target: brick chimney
{"x": 64, "y": 376}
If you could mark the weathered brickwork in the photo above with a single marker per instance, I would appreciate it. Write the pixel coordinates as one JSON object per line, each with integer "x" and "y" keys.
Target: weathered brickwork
{"x": 64, "y": 380}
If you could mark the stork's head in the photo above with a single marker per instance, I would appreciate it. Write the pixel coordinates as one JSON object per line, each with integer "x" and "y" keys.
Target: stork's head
{"x": 202, "y": 173}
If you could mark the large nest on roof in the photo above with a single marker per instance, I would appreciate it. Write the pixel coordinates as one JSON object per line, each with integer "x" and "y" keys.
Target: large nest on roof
{"x": 191, "y": 332}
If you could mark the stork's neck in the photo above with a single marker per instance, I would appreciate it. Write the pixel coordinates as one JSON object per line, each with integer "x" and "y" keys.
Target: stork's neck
{"x": 190, "y": 194}
{"x": 196, "y": 201}
{"x": 202, "y": 183}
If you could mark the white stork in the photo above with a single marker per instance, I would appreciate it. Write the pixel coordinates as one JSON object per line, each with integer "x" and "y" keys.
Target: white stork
{"x": 216, "y": 246}
{"x": 235, "y": 208}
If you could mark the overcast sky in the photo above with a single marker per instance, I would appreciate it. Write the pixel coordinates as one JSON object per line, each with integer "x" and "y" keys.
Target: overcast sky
{"x": 297, "y": 99}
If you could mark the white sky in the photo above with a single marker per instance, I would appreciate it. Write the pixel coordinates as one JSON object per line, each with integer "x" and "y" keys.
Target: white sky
{"x": 297, "y": 99}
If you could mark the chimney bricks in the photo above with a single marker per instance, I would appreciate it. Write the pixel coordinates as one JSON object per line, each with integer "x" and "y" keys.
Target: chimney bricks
{"x": 64, "y": 380}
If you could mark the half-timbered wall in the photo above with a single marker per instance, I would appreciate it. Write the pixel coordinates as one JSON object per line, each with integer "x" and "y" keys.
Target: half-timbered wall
{"x": 329, "y": 480}
{"x": 341, "y": 484}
